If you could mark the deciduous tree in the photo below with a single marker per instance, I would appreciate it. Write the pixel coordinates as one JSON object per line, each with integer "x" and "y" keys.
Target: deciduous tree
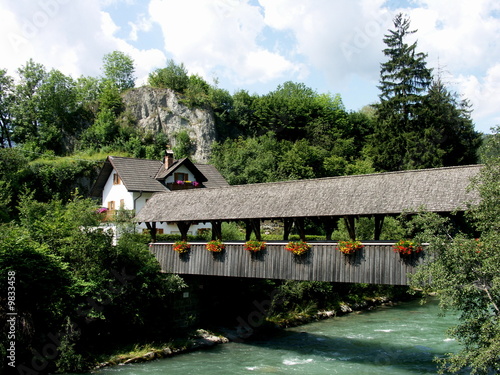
{"x": 464, "y": 270}
{"x": 118, "y": 67}
{"x": 6, "y": 102}
{"x": 174, "y": 76}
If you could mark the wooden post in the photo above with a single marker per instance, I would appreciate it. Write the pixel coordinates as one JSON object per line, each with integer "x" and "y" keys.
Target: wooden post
{"x": 252, "y": 225}
{"x": 255, "y": 225}
{"x": 329, "y": 224}
{"x": 216, "y": 230}
{"x": 183, "y": 228}
{"x": 287, "y": 227}
{"x": 248, "y": 229}
{"x": 152, "y": 230}
{"x": 299, "y": 222}
{"x": 379, "y": 223}
{"x": 350, "y": 222}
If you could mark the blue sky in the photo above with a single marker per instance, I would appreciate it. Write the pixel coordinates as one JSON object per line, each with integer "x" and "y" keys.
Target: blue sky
{"x": 332, "y": 46}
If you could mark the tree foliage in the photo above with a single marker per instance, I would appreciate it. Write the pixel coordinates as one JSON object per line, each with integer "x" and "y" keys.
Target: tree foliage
{"x": 404, "y": 78}
{"x": 6, "y": 103}
{"x": 118, "y": 68}
{"x": 173, "y": 76}
{"x": 100, "y": 288}
{"x": 464, "y": 270}
{"x": 419, "y": 124}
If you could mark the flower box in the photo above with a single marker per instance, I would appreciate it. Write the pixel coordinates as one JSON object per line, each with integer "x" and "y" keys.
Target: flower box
{"x": 349, "y": 247}
{"x": 181, "y": 247}
{"x": 255, "y": 246}
{"x": 298, "y": 248}
{"x": 407, "y": 247}
{"x": 215, "y": 246}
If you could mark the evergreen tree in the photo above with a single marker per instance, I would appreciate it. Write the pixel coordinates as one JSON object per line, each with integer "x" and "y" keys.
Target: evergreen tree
{"x": 404, "y": 79}
{"x": 452, "y": 129}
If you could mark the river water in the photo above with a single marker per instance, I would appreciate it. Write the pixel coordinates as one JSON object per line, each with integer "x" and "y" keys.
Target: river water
{"x": 390, "y": 340}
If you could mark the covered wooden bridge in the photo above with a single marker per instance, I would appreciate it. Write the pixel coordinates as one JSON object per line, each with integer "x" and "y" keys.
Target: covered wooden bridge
{"x": 325, "y": 200}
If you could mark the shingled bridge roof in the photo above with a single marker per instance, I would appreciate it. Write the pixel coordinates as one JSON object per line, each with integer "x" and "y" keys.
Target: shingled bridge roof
{"x": 435, "y": 190}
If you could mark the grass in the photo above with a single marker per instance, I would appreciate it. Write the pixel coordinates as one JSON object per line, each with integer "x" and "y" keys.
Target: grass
{"x": 160, "y": 349}
{"x": 88, "y": 156}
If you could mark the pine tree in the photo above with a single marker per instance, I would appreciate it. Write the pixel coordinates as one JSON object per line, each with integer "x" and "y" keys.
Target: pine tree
{"x": 404, "y": 79}
{"x": 449, "y": 120}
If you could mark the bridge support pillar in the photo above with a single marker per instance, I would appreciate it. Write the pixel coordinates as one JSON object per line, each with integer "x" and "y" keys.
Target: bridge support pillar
{"x": 152, "y": 230}
{"x": 183, "y": 228}
{"x": 299, "y": 224}
{"x": 329, "y": 224}
{"x": 253, "y": 225}
{"x": 216, "y": 230}
{"x": 379, "y": 223}
{"x": 350, "y": 223}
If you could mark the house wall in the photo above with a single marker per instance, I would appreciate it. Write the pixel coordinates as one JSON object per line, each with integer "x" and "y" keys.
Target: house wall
{"x": 116, "y": 193}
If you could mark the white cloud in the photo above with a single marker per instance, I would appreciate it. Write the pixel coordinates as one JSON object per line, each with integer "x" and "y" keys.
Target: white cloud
{"x": 142, "y": 24}
{"x": 70, "y": 36}
{"x": 483, "y": 93}
{"x": 219, "y": 35}
{"x": 328, "y": 44}
{"x": 339, "y": 38}
{"x": 461, "y": 37}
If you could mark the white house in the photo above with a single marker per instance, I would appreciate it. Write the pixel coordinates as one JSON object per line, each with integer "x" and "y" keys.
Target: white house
{"x": 128, "y": 183}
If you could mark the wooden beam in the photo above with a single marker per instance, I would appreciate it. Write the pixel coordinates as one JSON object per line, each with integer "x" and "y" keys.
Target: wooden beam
{"x": 183, "y": 228}
{"x": 248, "y": 230}
{"x": 252, "y": 225}
{"x": 350, "y": 223}
{"x": 152, "y": 230}
{"x": 287, "y": 227}
{"x": 379, "y": 223}
{"x": 299, "y": 223}
{"x": 329, "y": 224}
{"x": 216, "y": 230}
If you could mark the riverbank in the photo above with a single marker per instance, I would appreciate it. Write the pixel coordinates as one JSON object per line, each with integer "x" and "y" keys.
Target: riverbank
{"x": 202, "y": 339}
{"x": 197, "y": 340}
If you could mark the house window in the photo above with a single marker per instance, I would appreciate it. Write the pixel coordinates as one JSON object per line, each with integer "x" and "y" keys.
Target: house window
{"x": 111, "y": 211}
{"x": 116, "y": 179}
{"x": 180, "y": 177}
{"x": 122, "y": 204}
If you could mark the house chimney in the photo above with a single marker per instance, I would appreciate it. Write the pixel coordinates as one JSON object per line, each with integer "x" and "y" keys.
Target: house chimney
{"x": 169, "y": 158}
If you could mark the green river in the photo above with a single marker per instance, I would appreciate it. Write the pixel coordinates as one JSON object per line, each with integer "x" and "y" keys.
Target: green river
{"x": 390, "y": 340}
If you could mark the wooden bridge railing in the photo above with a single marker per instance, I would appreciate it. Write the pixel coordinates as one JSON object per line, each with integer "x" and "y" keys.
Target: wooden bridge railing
{"x": 375, "y": 263}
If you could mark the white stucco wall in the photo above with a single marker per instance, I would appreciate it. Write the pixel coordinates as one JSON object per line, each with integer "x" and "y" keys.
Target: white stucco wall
{"x": 116, "y": 193}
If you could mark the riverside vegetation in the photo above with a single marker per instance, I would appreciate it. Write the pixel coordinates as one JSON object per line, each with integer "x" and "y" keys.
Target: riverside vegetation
{"x": 55, "y": 131}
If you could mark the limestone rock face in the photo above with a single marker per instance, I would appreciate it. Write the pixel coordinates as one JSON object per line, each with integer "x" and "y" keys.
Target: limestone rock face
{"x": 159, "y": 110}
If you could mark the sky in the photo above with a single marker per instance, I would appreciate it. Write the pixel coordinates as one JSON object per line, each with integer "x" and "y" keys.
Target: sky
{"x": 332, "y": 46}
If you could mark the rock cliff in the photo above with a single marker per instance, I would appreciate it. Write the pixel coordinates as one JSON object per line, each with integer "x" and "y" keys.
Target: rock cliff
{"x": 159, "y": 110}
